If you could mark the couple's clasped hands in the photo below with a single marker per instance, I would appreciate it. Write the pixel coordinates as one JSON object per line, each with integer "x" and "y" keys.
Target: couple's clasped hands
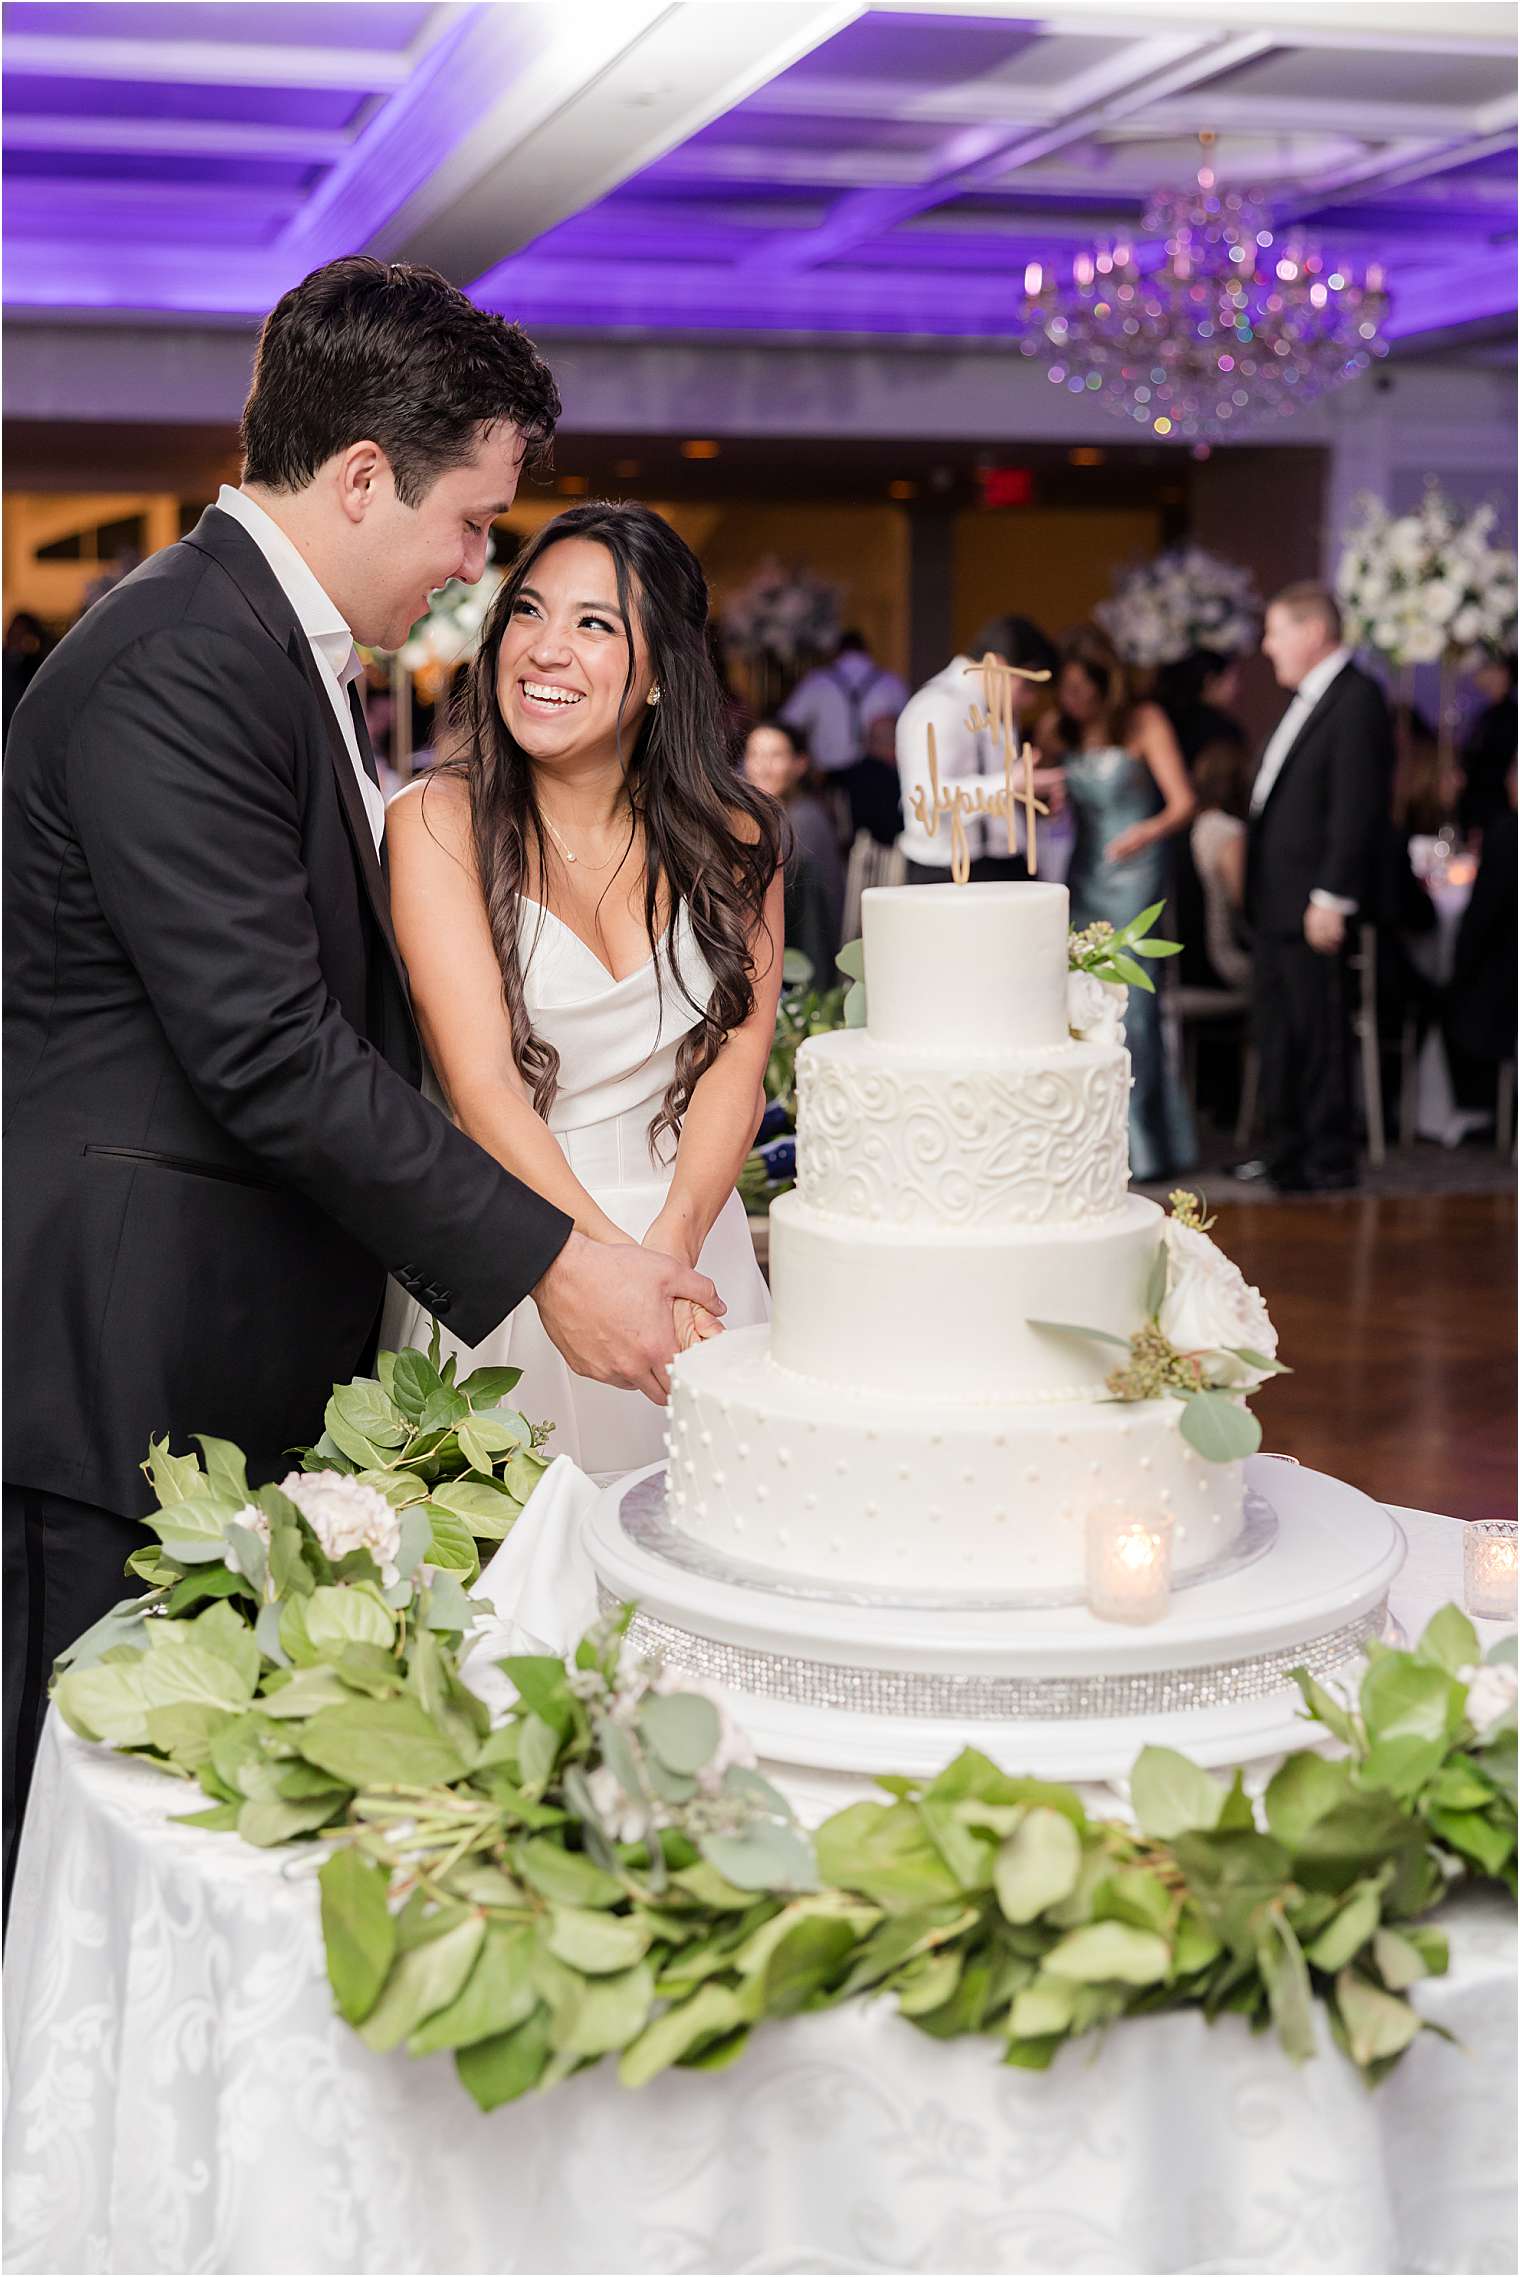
{"x": 618, "y": 1310}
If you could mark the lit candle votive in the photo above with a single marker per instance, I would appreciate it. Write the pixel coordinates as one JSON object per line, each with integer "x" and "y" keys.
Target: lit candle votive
{"x": 1490, "y": 1566}
{"x": 1129, "y": 1562}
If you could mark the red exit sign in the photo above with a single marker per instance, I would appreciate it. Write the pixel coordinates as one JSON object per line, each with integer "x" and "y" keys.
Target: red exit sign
{"x": 1005, "y": 485}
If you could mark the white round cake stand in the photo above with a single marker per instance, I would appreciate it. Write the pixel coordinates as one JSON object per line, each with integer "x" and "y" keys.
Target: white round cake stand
{"x": 835, "y": 1686}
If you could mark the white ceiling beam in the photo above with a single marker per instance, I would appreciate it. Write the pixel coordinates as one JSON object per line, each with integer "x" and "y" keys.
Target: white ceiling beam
{"x": 1262, "y": 116}
{"x": 604, "y": 93}
{"x": 1393, "y": 169}
{"x": 744, "y": 162}
{"x": 1147, "y": 72}
{"x": 205, "y": 63}
{"x": 1397, "y": 27}
{"x": 978, "y": 102}
{"x": 970, "y": 102}
{"x": 1499, "y": 114}
{"x": 176, "y": 138}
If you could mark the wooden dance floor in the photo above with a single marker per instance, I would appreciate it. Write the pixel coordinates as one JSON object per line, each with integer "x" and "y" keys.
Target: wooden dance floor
{"x": 1398, "y": 1317}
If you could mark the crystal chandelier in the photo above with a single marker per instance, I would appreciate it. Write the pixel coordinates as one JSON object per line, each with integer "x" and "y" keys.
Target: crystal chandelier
{"x": 1211, "y": 323}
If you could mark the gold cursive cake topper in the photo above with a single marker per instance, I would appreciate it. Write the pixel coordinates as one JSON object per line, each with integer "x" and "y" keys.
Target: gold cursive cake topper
{"x": 995, "y": 713}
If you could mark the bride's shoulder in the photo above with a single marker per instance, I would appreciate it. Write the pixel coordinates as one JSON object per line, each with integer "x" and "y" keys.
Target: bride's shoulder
{"x": 431, "y": 813}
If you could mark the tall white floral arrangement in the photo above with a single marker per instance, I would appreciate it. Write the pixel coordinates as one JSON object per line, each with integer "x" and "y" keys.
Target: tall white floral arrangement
{"x": 1429, "y": 586}
{"x": 782, "y": 615}
{"x": 1186, "y": 599}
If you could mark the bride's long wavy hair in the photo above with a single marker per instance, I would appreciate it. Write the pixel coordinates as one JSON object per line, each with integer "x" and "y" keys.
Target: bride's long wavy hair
{"x": 684, "y": 790}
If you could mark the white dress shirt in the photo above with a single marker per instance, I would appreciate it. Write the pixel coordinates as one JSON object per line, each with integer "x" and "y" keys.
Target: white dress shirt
{"x": 821, "y": 705}
{"x": 1283, "y": 737}
{"x": 328, "y": 637}
{"x": 964, "y": 754}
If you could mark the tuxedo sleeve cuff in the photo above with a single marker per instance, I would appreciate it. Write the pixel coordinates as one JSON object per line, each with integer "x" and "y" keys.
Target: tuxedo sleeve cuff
{"x": 1319, "y": 899}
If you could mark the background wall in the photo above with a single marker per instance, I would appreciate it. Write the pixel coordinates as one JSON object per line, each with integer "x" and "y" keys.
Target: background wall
{"x": 1050, "y": 564}
{"x": 123, "y": 418}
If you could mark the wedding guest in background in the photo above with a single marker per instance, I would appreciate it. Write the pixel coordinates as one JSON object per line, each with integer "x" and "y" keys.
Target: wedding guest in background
{"x": 835, "y": 704}
{"x": 875, "y": 796}
{"x": 1480, "y": 1009}
{"x": 26, "y": 644}
{"x": 1489, "y": 752}
{"x": 1198, "y": 693}
{"x": 1217, "y": 842}
{"x": 1130, "y": 797}
{"x": 1426, "y": 786}
{"x": 965, "y": 753}
{"x": 835, "y": 708}
{"x": 1319, "y": 812}
{"x": 776, "y": 761}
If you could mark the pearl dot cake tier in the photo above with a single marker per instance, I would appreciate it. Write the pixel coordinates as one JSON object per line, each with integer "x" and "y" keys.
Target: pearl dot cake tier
{"x": 895, "y": 1135}
{"x": 949, "y": 1313}
{"x": 803, "y": 1476}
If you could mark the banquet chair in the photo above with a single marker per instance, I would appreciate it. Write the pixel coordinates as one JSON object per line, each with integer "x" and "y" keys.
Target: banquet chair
{"x": 870, "y": 864}
{"x": 1186, "y": 1011}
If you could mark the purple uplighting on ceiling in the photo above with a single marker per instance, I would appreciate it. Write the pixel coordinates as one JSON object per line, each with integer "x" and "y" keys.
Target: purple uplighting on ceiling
{"x": 937, "y": 155}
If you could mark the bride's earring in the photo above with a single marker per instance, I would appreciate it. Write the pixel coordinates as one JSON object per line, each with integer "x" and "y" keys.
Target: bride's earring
{"x": 654, "y": 695}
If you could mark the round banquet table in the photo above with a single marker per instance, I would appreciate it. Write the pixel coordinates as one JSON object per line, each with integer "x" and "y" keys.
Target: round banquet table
{"x": 182, "y": 2096}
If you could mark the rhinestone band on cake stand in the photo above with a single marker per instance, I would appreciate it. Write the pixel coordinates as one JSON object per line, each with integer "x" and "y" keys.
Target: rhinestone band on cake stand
{"x": 837, "y": 1682}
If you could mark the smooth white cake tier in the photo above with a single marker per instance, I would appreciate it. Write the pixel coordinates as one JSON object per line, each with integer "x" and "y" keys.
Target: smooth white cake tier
{"x": 930, "y": 1138}
{"x": 974, "y": 968}
{"x": 790, "y": 1474}
{"x": 945, "y": 1313}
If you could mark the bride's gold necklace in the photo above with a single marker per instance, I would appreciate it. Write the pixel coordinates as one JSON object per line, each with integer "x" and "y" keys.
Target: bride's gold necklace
{"x": 579, "y": 860}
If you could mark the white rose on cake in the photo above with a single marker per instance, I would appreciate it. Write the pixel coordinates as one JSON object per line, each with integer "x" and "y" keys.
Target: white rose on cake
{"x": 345, "y": 1515}
{"x": 1211, "y": 1310}
{"x": 1095, "y": 1008}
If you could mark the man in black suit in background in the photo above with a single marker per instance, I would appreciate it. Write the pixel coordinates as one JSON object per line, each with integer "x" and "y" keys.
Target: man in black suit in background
{"x": 1319, "y": 810}
{"x": 216, "y": 1143}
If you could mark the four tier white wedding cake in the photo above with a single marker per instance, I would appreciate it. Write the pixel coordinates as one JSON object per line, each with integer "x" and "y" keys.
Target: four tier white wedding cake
{"x": 962, "y": 1179}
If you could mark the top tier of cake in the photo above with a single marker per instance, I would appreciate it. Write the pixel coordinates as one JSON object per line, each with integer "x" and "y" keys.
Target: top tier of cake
{"x": 979, "y": 970}
{"x": 964, "y": 1102}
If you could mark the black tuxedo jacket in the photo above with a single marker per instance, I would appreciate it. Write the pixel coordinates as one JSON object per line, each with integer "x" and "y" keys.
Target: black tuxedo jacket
{"x": 215, "y": 1141}
{"x": 1326, "y": 815}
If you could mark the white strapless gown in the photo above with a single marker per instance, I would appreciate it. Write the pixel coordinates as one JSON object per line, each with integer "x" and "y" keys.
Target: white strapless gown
{"x": 617, "y": 1042}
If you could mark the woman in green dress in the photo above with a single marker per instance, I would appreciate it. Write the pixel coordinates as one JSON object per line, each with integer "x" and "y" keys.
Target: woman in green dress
{"x": 1129, "y": 796}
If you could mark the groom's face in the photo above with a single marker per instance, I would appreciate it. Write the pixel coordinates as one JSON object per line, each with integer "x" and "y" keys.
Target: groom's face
{"x": 406, "y": 552}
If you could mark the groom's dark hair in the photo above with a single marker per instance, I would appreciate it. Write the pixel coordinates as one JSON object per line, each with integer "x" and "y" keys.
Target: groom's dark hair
{"x": 373, "y": 351}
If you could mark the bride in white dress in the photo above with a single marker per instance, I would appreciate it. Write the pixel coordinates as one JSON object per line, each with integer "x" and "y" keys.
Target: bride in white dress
{"x": 588, "y": 903}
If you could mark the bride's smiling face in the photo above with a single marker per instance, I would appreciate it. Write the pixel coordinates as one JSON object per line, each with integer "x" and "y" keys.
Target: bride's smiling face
{"x": 563, "y": 660}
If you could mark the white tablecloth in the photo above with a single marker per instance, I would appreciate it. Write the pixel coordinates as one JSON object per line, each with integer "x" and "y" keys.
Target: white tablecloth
{"x": 182, "y": 2097}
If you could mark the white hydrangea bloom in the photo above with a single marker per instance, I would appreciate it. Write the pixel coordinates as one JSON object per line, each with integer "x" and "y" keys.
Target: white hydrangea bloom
{"x": 1492, "y": 1693}
{"x": 347, "y": 1515}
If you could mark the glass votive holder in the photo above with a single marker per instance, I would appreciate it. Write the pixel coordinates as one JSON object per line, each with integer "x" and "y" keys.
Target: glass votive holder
{"x": 1129, "y": 1562}
{"x": 1490, "y": 1566}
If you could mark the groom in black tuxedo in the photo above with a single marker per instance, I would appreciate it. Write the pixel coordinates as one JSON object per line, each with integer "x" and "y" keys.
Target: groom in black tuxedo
{"x": 1319, "y": 813}
{"x": 216, "y": 1144}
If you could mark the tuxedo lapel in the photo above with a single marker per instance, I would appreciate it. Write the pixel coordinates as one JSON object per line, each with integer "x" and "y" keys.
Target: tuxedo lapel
{"x": 1311, "y": 719}
{"x": 230, "y": 546}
